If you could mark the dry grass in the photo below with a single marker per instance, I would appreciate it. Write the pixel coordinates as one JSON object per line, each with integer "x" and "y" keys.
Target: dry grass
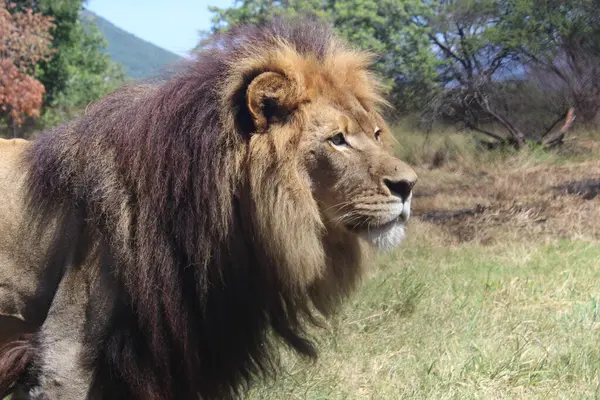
{"x": 501, "y": 304}
{"x": 516, "y": 202}
{"x": 510, "y": 193}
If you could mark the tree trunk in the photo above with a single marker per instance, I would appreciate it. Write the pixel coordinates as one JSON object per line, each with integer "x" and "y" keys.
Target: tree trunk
{"x": 14, "y": 127}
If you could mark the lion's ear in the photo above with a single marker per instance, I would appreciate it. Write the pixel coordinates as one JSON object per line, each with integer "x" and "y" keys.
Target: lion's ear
{"x": 270, "y": 97}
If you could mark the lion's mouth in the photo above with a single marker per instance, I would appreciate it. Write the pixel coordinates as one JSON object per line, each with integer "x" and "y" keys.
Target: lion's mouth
{"x": 375, "y": 224}
{"x": 366, "y": 222}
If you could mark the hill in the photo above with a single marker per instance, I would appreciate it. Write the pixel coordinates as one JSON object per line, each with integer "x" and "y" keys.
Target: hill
{"x": 140, "y": 59}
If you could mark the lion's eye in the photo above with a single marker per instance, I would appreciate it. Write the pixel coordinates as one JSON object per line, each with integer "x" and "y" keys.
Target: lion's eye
{"x": 378, "y": 134}
{"x": 338, "y": 139}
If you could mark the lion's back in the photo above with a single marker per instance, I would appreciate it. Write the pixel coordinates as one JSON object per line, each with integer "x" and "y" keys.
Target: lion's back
{"x": 11, "y": 149}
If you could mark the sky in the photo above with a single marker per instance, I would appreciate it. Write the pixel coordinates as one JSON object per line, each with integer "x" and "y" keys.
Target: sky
{"x": 171, "y": 25}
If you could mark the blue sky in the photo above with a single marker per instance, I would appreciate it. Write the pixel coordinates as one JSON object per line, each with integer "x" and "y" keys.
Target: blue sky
{"x": 172, "y": 25}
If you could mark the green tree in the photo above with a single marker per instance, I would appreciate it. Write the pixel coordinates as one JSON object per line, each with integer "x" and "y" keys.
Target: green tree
{"x": 80, "y": 71}
{"x": 466, "y": 37}
{"x": 559, "y": 42}
{"x": 496, "y": 58}
{"x": 89, "y": 72}
{"x": 393, "y": 29}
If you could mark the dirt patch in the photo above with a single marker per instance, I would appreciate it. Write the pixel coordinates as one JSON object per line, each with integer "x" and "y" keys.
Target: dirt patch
{"x": 442, "y": 216}
{"x": 519, "y": 203}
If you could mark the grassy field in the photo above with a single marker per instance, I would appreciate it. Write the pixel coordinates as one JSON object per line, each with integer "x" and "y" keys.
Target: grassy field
{"x": 509, "y": 321}
{"x": 502, "y": 303}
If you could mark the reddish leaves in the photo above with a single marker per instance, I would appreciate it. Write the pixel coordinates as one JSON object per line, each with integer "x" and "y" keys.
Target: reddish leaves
{"x": 25, "y": 40}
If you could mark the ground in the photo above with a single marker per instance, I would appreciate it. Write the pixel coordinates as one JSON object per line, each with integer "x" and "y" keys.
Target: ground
{"x": 495, "y": 295}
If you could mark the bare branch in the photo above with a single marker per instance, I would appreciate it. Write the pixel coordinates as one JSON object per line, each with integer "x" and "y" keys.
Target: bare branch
{"x": 517, "y": 135}
{"x": 486, "y": 132}
{"x": 447, "y": 50}
{"x": 558, "y": 139}
{"x": 562, "y": 116}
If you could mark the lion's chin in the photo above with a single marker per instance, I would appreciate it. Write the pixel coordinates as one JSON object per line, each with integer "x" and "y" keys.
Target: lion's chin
{"x": 386, "y": 237}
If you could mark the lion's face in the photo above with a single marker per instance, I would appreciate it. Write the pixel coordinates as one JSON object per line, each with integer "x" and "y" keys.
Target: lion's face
{"x": 319, "y": 129}
{"x": 356, "y": 182}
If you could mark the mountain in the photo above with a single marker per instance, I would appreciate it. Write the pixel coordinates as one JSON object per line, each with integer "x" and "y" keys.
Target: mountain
{"x": 140, "y": 59}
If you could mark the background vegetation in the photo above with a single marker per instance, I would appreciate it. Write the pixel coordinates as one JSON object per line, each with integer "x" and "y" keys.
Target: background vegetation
{"x": 509, "y": 70}
{"x": 65, "y": 57}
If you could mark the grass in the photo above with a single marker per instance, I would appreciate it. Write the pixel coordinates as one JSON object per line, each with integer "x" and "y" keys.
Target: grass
{"x": 510, "y": 321}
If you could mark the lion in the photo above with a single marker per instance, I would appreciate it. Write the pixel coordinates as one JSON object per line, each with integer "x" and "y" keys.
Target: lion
{"x": 161, "y": 245}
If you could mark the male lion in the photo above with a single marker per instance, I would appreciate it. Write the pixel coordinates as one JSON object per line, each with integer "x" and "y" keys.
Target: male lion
{"x": 156, "y": 245}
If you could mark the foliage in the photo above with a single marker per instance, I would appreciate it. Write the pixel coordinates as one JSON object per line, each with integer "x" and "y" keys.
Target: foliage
{"x": 390, "y": 28}
{"x": 559, "y": 42}
{"x": 475, "y": 57}
{"x": 79, "y": 70}
{"x": 24, "y": 42}
{"x": 503, "y": 56}
{"x": 90, "y": 73}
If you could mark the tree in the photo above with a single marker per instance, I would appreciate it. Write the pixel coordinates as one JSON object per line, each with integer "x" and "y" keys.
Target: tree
{"x": 79, "y": 71}
{"x": 488, "y": 48}
{"x": 89, "y": 71}
{"x": 24, "y": 42}
{"x": 465, "y": 36}
{"x": 559, "y": 43}
{"x": 393, "y": 29}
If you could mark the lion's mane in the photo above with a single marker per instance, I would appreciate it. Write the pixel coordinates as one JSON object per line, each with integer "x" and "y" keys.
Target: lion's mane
{"x": 199, "y": 263}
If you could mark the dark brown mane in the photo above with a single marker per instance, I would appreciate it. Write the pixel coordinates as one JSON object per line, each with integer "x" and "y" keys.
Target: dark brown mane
{"x": 152, "y": 170}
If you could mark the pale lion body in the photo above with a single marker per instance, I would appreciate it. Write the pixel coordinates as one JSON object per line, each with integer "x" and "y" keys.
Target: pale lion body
{"x": 29, "y": 285}
{"x": 153, "y": 244}
{"x": 20, "y": 268}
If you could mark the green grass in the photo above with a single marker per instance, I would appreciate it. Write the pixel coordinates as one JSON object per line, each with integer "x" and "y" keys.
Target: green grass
{"x": 515, "y": 321}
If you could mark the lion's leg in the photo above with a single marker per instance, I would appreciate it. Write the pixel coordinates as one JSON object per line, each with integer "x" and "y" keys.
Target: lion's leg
{"x": 59, "y": 370}
{"x": 27, "y": 281}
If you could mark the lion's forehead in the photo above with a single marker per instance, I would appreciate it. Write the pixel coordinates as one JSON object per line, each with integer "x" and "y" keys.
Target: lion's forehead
{"x": 350, "y": 115}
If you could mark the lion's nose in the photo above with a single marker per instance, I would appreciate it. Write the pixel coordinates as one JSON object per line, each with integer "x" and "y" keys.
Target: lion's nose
{"x": 401, "y": 188}
{"x": 400, "y": 179}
